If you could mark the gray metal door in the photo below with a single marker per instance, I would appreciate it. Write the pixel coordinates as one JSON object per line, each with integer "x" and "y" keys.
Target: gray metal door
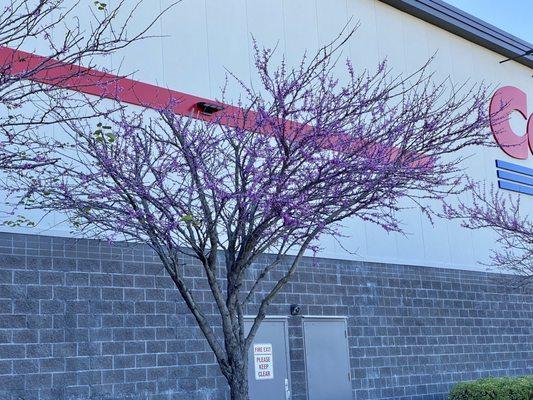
{"x": 327, "y": 361}
{"x": 268, "y": 361}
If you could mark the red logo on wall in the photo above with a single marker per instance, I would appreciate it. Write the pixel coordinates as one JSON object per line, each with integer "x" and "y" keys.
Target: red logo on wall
{"x": 514, "y": 177}
{"x": 506, "y": 100}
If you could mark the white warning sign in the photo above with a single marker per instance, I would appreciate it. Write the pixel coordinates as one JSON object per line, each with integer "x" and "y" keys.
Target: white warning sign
{"x": 264, "y": 367}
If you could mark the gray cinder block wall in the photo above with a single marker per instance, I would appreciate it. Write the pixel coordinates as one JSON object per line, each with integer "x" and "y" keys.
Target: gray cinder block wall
{"x": 82, "y": 319}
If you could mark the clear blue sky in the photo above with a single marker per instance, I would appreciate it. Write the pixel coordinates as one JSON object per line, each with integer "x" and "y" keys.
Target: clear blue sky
{"x": 513, "y": 16}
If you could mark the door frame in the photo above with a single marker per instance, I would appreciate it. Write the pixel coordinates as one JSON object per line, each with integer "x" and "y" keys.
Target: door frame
{"x": 285, "y": 320}
{"x": 312, "y": 318}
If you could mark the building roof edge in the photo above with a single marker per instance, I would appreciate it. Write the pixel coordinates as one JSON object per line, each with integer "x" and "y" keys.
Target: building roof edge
{"x": 467, "y": 26}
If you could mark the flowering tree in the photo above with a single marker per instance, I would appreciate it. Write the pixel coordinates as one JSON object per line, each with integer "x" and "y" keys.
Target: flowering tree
{"x": 29, "y": 98}
{"x": 491, "y": 209}
{"x": 304, "y": 153}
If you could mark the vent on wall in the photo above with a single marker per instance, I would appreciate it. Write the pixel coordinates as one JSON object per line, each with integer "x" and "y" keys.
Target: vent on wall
{"x": 208, "y": 108}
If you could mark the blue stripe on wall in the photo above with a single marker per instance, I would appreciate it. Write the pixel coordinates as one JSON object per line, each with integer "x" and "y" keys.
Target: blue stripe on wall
{"x": 510, "y": 176}
{"x": 514, "y": 167}
{"x": 515, "y": 187}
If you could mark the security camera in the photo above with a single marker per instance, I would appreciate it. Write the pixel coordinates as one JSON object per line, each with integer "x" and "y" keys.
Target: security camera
{"x": 295, "y": 309}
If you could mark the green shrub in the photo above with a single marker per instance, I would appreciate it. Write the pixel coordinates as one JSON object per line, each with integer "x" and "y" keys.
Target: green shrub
{"x": 494, "y": 389}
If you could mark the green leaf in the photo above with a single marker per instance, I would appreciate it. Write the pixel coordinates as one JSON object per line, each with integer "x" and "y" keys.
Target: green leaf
{"x": 187, "y": 218}
{"x": 101, "y": 6}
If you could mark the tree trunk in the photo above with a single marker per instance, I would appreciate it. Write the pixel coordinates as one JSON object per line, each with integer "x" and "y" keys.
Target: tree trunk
{"x": 239, "y": 389}
{"x": 238, "y": 381}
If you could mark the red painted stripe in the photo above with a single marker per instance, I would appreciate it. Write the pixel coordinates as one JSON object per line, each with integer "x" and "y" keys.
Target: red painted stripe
{"x": 93, "y": 82}
{"x": 89, "y": 81}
